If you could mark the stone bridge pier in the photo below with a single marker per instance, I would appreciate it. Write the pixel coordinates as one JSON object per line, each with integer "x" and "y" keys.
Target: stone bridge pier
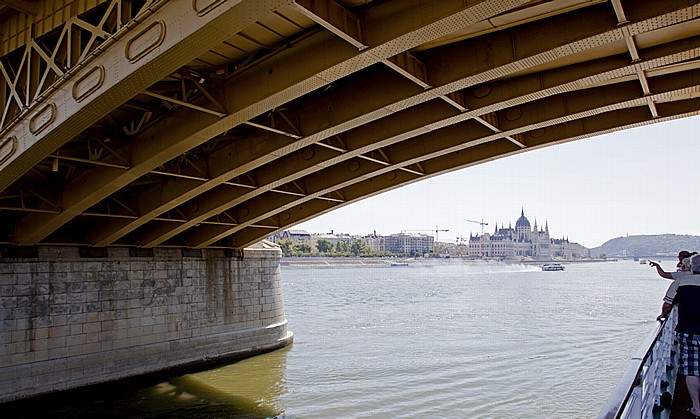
{"x": 71, "y": 317}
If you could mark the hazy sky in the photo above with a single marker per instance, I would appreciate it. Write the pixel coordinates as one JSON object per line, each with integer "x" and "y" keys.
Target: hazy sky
{"x": 638, "y": 181}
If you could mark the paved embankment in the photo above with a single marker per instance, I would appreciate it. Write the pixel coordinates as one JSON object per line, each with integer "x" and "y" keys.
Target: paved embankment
{"x": 320, "y": 262}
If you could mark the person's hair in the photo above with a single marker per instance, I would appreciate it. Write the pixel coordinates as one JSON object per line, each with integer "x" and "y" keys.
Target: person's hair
{"x": 695, "y": 264}
{"x": 684, "y": 254}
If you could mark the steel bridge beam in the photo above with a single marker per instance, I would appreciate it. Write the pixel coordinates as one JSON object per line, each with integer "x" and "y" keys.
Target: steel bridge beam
{"x": 398, "y": 127}
{"x": 326, "y": 58}
{"x": 375, "y": 97}
{"x": 155, "y": 45}
{"x": 533, "y": 118}
{"x": 588, "y": 127}
{"x": 394, "y": 109}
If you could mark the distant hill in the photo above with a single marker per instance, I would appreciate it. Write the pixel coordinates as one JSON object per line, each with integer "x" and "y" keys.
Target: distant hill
{"x": 661, "y": 245}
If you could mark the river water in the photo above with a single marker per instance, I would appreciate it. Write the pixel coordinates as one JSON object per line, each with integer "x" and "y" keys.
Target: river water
{"x": 438, "y": 339}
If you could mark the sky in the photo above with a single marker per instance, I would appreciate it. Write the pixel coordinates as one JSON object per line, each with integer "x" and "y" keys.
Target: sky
{"x": 635, "y": 182}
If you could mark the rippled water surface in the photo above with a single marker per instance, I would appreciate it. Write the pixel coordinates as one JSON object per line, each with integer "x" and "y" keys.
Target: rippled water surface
{"x": 441, "y": 340}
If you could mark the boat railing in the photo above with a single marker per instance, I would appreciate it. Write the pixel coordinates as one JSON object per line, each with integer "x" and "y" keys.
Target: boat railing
{"x": 646, "y": 388}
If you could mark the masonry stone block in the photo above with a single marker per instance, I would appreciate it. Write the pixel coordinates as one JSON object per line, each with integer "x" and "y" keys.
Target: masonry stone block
{"x": 67, "y": 322}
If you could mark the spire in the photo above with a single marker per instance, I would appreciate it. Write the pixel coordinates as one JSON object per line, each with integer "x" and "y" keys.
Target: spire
{"x": 546, "y": 226}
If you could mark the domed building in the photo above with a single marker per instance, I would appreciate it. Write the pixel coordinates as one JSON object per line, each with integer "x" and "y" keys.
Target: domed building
{"x": 522, "y": 227}
{"x": 523, "y": 242}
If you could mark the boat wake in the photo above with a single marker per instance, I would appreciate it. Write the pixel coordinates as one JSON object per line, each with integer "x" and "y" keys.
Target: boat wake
{"x": 502, "y": 268}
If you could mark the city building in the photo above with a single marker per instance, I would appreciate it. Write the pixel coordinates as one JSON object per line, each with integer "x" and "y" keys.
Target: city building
{"x": 523, "y": 242}
{"x": 409, "y": 244}
{"x": 296, "y": 236}
{"x": 401, "y": 243}
{"x": 376, "y": 242}
{"x": 564, "y": 249}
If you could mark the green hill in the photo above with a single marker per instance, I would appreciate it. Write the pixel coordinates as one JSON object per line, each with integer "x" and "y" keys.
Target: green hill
{"x": 662, "y": 245}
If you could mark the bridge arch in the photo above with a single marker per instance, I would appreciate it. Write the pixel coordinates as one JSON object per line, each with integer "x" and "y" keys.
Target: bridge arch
{"x": 147, "y": 147}
{"x": 145, "y": 127}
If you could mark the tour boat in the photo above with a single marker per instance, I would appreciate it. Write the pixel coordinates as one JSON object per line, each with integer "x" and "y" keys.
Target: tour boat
{"x": 553, "y": 267}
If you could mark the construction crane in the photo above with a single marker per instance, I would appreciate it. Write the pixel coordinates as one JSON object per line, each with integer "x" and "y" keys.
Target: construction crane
{"x": 436, "y": 232}
{"x": 482, "y": 233}
{"x": 479, "y": 222}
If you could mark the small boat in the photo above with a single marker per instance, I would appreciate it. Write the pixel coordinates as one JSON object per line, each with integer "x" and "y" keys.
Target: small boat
{"x": 642, "y": 261}
{"x": 552, "y": 267}
{"x": 399, "y": 264}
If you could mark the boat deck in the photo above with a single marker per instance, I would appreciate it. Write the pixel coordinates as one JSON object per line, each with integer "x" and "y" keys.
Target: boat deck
{"x": 681, "y": 400}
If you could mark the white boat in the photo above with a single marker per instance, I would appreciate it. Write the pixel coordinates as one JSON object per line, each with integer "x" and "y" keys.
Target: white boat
{"x": 399, "y": 264}
{"x": 642, "y": 261}
{"x": 552, "y": 267}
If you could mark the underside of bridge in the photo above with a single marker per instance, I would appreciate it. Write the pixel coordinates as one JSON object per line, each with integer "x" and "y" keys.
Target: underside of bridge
{"x": 215, "y": 124}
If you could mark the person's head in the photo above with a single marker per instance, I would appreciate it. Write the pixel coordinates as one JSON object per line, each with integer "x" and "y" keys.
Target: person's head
{"x": 695, "y": 264}
{"x": 682, "y": 255}
{"x": 685, "y": 265}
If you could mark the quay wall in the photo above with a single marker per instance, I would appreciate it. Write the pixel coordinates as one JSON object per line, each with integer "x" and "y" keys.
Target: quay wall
{"x": 71, "y": 317}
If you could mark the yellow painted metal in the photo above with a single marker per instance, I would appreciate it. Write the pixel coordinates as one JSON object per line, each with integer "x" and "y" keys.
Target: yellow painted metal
{"x": 334, "y": 18}
{"x": 167, "y": 57}
{"x": 22, "y": 24}
{"x": 296, "y": 108}
{"x": 148, "y": 154}
{"x": 532, "y": 118}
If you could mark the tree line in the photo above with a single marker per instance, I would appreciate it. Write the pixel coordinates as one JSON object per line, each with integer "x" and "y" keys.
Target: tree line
{"x": 324, "y": 247}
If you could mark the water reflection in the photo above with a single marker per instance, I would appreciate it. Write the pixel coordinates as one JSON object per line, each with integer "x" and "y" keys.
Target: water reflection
{"x": 250, "y": 388}
{"x": 259, "y": 380}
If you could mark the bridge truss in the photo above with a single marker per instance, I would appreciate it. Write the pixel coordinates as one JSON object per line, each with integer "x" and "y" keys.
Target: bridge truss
{"x": 214, "y": 123}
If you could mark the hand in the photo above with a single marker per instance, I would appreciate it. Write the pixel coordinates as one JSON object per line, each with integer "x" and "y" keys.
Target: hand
{"x": 654, "y": 264}
{"x": 661, "y": 318}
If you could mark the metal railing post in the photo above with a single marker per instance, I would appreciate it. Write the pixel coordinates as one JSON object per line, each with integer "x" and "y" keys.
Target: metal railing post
{"x": 650, "y": 374}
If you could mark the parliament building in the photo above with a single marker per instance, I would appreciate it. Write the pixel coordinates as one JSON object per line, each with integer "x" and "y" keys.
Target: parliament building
{"x": 523, "y": 242}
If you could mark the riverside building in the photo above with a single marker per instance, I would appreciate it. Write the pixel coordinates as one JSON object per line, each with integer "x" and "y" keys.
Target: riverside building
{"x": 523, "y": 242}
{"x": 400, "y": 243}
{"x": 409, "y": 244}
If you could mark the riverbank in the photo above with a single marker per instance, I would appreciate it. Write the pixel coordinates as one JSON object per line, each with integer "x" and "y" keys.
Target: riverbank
{"x": 320, "y": 262}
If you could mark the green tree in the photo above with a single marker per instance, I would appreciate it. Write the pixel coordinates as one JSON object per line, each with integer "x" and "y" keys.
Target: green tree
{"x": 342, "y": 247}
{"x": 302, "y": 248}
{"x": 286, "y": 246}
{"x": 324, "y": 246}
{"x": 439, "y": 248}
{"x": 359, "y": 247}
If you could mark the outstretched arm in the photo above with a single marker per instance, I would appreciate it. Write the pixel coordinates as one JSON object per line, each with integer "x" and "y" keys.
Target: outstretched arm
{"x": 660, "y": 271}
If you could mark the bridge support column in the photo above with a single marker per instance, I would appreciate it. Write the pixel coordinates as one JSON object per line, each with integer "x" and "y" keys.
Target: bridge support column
{"x": 73, "y": 317}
